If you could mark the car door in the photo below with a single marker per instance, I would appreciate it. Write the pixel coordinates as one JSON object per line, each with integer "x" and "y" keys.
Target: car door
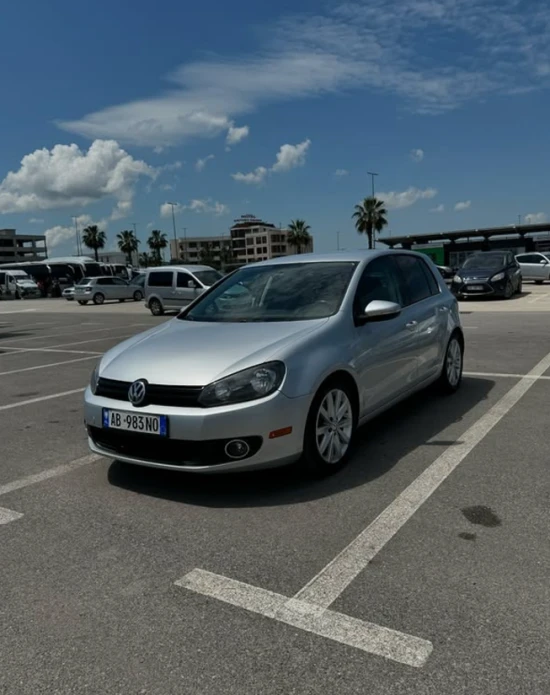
{"x": 105, "y": 287}
{"x": 121, "y": 289}
{"x": 384, "y": 352}
{"x": 530, "y": 265}
{"x": 187, "y": 288}
{"x": 426, "y": 309}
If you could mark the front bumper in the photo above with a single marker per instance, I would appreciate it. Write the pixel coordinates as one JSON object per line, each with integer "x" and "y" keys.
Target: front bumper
{"x": 478, "y": 288}
{"x": 196, "y": 435}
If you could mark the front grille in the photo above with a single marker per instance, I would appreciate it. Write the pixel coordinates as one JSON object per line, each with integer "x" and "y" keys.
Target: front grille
{"x": 177, "y": 396}
{"x": 157, "y": 449}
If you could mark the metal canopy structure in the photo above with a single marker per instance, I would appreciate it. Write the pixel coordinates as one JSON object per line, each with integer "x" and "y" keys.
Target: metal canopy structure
{"x": 486, "y": 233}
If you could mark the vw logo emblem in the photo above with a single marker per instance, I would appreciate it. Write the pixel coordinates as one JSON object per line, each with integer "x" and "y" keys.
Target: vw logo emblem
{"x": 137, "y": 392}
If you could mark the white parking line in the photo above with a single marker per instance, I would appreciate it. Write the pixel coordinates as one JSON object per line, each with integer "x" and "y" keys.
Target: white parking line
{"x": 406, "y": 649}
{"x": 8, "y": 515}
{"x": 51, "y": 364}
{"x": 77, "y": 327}
{"x": 17, "y": 311}
{"x": 30, "y": 401}
{"x": 47, "y": 474}
{"x": 16, "y": 350}
{"x": 309, "y": 608}
{"x": 63, "y": 345}
{"x": 500, "y": 375}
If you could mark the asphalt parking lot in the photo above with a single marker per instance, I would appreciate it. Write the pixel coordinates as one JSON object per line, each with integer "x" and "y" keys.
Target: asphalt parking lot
{"x": 422, "y": 568}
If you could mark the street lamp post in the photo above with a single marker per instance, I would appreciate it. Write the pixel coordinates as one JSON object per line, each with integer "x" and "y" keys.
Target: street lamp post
{"x": 77, "y": 239}
{"x": 175, "y": 255}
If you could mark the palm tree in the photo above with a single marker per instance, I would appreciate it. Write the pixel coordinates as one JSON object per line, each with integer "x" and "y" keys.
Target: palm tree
{"x": 94, "y": 239}
{"x": 298, "y": 234}
{"x": 157, "y": 242}
{"x": 370, "y": 217}
{"x": 207, "y": 254}
{"x": 146, "y": 259}
{"x": 127, "y": 243}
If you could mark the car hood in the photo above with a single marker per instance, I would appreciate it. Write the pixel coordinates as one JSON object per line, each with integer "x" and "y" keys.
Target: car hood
{"x": 479, "y": 273}
{"x": 185, "y": 353}
{"x": 26, "y": 283}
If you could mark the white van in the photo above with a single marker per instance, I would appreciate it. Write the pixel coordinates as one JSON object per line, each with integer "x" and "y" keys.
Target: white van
{"x": 172, "y": 287}
{"x": 16, "y": 284}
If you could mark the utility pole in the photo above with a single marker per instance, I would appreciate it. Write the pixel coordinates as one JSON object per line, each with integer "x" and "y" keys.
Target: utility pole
{"x": 185, "y": 244}
{"x": 372, "y": 174}
{"x": 519, "y": 219}
{"x": 76, "y": 235}
{"x": 137, "y": 243}
{"x": 338, "y": 241}
{"x": 174, "y": 226}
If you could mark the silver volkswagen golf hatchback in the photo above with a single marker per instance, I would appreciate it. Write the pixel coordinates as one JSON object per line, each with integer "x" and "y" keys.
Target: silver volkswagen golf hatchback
{"x": 278, "y": 362}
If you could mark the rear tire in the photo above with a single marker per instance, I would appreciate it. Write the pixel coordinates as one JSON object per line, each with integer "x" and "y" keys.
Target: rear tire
{"x": 82, "y": 302}
{"x": 155, "y": 307}
{"x": 138, "y": 296}
{"x": 451, "y": 374}
{"x": 98, "y": 298}
{"x": 330, "y": 430}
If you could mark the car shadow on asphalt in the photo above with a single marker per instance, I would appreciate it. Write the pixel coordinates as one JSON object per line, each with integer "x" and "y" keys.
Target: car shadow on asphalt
{"x": 381, "y": 444}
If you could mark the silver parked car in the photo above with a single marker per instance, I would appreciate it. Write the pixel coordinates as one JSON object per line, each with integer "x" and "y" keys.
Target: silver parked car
{"x": 535, "y": 266}
{"x": 280, "y": 361}
{"x": 176, "y": 286}
{"x": 101, "y": 289}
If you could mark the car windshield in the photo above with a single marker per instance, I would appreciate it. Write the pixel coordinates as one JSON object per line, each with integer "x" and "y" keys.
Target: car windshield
{"x": 286, "y": 292}
{"x": 482, "y": 260}
{"x": 207, "y": 277}
{"x": 547, "y": 256}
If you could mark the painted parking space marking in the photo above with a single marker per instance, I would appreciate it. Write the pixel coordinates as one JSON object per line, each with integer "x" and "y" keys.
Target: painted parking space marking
{"x": 16, "y": 350}
{"x": 40, "y": 399}
{"x": 51, "y": 364}
{"x": 8, "y": 515}
{"x": 309, "y": 606}
{"x": 500, "y": 375}
{"x": 22, "y": 348}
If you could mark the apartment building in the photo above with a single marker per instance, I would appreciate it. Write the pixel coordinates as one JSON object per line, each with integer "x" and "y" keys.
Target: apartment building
{"x": 17, "y": 248}
{"x": 250, "y": 240}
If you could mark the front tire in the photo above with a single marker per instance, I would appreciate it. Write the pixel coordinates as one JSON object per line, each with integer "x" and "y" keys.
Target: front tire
{"x": 98, "y": 298}
{"x": 330, "y": 430}
{"x": 155, "y": 307}
{"x": 82, "y": 302}
{"x": 451, "y": 374}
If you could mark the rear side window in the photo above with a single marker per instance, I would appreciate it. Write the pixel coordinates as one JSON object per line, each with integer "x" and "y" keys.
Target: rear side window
{"x": 160, "y": 279}
{"x": 414, "y": 279}
{"x": 104, "y": 281}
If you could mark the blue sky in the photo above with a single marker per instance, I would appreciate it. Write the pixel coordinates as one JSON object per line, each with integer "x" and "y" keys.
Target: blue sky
{"x": 109, "y": 107}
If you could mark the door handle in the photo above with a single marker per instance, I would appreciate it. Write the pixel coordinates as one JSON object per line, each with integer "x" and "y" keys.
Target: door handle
{"x": 411, "y": 324}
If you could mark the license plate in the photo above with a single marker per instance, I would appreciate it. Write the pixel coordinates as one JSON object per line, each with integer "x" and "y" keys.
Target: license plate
{"x": 132, "y": 422}
{"x": 475, "y": 288}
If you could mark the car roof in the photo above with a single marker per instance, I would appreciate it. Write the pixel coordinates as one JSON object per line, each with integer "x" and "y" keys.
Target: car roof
{"x": 343, "y": 256}
{"x": 188, "y": 268}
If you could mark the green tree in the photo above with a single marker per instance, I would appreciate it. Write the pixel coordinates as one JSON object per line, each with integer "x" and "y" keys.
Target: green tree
{"x": 94, "y": 239}
{"x": 298, "y": 234}
{"x": 370, "y": 217}
{"x": 157, "y": 242}
{"x": 146, "y": 259}
{"x": 127, "y": 243}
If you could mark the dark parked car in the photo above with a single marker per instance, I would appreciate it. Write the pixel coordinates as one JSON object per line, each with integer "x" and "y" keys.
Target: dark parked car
{"x": 489, "y": 274}
{"x": 447, "y": 273}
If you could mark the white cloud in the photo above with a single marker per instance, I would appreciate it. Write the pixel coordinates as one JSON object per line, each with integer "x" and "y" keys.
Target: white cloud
{"x": 166, "y": 187}
{"x": 36, "y": 220}
{"x": 291, "y": 156}
{"x": 463, "y": 205}
{"x": 172, "y": 166}
{"x": 123, "y": 209}
{"x": 376, "y": 46}
{"x": 288, "y": 157}
{"x": 341, "y": 172}
{"x": 150, "y": 225}
{"x": 254, "y": 177}
{"x": 535, "y": 218}
{"x": 235, "y": 135}
{"x": 201, "y": 163}
{"x": 438, "y": 208}
{"x": 417, "y": 155}
{"x": 65, "y": 176}
{"x": 60, "y": 234}
{"x": 403, "y": 199}
{"x": 207, "y": 206}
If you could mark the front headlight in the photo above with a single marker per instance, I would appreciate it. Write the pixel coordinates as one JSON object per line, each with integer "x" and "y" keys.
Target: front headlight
{"x": 498, "y": 276}
{"x": 248, "y": 385}
{"x": 457, "y": 279}
{"x": 94, "y": 380}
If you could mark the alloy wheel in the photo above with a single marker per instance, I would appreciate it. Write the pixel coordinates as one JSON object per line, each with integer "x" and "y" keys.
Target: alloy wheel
{"x": 453, "y": 364}
{"x": 334, "y": 426}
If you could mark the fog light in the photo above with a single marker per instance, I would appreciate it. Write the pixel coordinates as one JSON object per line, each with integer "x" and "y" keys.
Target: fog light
{"x": 237, "y": 449}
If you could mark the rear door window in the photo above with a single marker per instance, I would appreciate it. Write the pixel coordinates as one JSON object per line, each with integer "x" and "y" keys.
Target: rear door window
{"x": 160, "y": 278}
{"x": 414, "y": 279}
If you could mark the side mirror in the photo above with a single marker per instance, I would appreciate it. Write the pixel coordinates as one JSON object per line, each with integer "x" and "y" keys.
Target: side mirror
{"x": 543, "y": 262}
{"x": 380, "y": 310}
{"x": 192, "y": 284}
